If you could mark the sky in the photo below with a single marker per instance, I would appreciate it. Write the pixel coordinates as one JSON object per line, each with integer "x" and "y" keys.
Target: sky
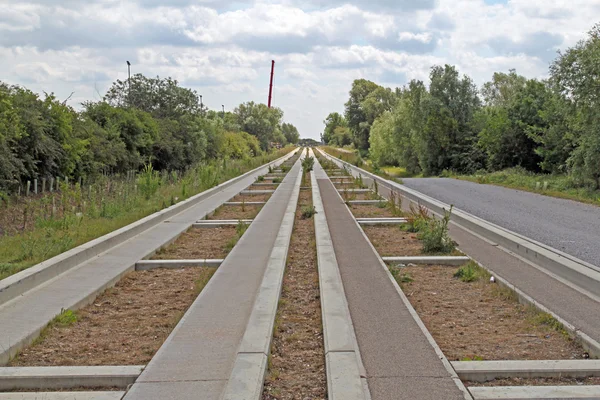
{"x": 223, "y": 49}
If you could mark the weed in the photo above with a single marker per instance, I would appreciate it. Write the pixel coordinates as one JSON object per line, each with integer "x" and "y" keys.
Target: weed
{"x": 240, "y": 229}
{"x": 434, "y": 235}
{"x": 277, "y": 180}
{"x": 149, "y": 181}
{"x": 416, "y": 219}
{"x": 308, "y": 164}
{"x": 540, "y": 318}
{"x": 284, "y": 168}
{"x": 270, "y": 169}
{"x": 64, "y": 319}
{"x": 399, "y": 276}
{"x": 395, "y": 204}
{"x": 474, "y": 358}
{"x": 260, "y": 178}
{"x": 308, "y": 212}
{"x": 471, "y": 272}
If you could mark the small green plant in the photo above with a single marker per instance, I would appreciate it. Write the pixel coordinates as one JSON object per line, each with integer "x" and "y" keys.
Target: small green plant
{"x": 434, "y": 235}
{"x": 277, "y": 180}
{"x": 308, "y": 212}
{"x": 416, "y": 219}
{"x": 240, "y": 229}
{"x": 270, "y": 169}
{"x": 308, "y": 164}
{"x": 65, "y": 318}
{"x": 395, "y": 204}
{"x": 260, "y": 178}
{"x": 399, "y": 276}
{"x": 471, "y": 272}
{"x": 149, "y": 181}
{"x": 284, "y": 168}
{"x": 474, "y": 358}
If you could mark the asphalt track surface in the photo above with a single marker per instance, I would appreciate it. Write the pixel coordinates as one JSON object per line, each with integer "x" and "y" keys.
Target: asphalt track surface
{"x": 566, "y": 225}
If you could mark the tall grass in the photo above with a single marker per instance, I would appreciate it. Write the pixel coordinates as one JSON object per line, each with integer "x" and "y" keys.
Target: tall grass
{"x": 57, "y": 222}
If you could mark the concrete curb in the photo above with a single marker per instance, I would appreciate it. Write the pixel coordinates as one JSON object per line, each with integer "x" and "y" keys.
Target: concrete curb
{"x": 253, "y": 192}
{"x": 483, "y": 371}
{"x": 47, "y": 378}
{"x": 245, "y": 203}
{"x": 342, "y": 358}
{"x": 381, "y": 221}
{"x": 366, "y": 202}
{"x": 355, "y": 190}
{"x": 62, "y": 396}
{"x": 429, "y": 260}
{"x": 418, "y": 320}
{"x": 28, "y": 279}
{"x": 535, "y": 392}
{"x": 250, "y": 366}
{"x": 146, "y": 265}
{"x": 215, "y": 223}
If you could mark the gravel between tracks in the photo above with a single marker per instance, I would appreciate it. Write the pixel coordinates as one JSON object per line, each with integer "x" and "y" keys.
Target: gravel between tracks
{"x": 566, "y": 225}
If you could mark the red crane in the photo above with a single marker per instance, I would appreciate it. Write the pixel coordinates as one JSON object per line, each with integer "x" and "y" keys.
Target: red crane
{"x": 271, "y": 85}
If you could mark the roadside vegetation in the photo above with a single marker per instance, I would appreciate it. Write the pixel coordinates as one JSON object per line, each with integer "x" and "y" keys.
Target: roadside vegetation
{"x": 146, "y": 146}
{"x": 537, "y": 135}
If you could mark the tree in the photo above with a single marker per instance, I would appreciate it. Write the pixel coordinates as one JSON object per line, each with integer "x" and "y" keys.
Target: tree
{"x": 382, "y": 150}
{"x": 356, "y": 116}
{"x": 333, "y": 121}
{"x": 290, "y": 132}
{"x": 163, "y": 98}
{"x": 261, "y": 121}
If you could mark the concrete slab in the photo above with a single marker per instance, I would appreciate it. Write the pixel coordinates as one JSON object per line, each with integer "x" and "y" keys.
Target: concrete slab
{"x": 429, "y": 260}
{"x": 207, "y": 223}
{"x": 483, "y": 371}
{"x": 145, "y": 265}
{"x": 23, "y": 317}
{"x": 198, "y": 357}
{"x": 367, "y": 202}
{"x": 535, "y": 392}
{"x": 62, "y": 396}
{"x": 381, "y": 221}
{"x": 356, "y": 190}
{"x": 247, "y": 203}
{"x": 399, "y": 359}
{"x": 47, "y": 378}
{"x": 253, "y": 192}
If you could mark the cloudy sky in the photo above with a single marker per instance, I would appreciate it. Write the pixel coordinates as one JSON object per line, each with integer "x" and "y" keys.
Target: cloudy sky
{"x": 223, "y": 48}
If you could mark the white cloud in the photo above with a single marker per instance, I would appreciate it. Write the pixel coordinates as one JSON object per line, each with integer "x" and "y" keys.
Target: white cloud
{"x": 223, "y": 49}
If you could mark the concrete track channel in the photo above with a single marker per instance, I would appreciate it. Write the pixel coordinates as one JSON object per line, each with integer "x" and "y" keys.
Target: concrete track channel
{"x": 240, "y": 229}
{"x": 544, "y": 353}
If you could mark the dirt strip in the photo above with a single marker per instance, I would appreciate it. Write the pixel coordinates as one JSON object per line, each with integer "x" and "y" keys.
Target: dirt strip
{"x": 252, "y": 197}
{"x": 371, "y": 211}
{"x": 236, "y": 212}
{"x": 125, "y": 325}
{"x": 480, "y": 320}
{"x": 390, "y": 240}
{"x": 297, "y": 361}
{"x": 200, "y": 243}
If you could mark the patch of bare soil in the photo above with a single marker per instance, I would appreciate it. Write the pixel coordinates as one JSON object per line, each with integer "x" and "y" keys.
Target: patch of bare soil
{"x": 361, "y": 196}
{"x": 199, "y": 243}
{"x": 538, "y": 382}
{"x": 297, "y": 368}
{"x": 481, "y": 320}
{"x": 263, "y": 187}
{"x": 125, "y": 325}
{"x": 371, "y": 211}
{"x": 252, "y": 197}
{"x": 390, "y": 240}
{"x": 236, "y": 212}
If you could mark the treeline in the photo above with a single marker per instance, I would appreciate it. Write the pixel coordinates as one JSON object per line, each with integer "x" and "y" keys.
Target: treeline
{"x": 550, "y": 126}
{"x": 144, "y": 121}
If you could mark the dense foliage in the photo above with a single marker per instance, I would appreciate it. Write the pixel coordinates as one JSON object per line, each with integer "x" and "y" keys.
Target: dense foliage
{"x": 550, "y": 126}
{"x": 145, "y": 121}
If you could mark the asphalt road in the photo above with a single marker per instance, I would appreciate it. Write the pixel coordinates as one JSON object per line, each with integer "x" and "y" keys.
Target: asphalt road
{"x": 566, "y": 225}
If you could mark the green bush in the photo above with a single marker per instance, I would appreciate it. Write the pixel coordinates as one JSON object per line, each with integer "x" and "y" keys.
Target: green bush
{"x": 148, "y": 181}
{"x": 434, "y": 235}
{"x": 308, "y": 164}
{"x": 308, "y": 212}
{"x": 471, "y": 272}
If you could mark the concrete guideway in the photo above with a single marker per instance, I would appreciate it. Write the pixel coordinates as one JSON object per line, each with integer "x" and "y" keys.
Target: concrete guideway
{"x": 198, "y": 358}
{"x": 342, "y": 358}
{"x": 400, "y": 359}
{"x": 483, "y": 371}
{"x": 86, "y": 273}
{"x": 535, "y": 392}
{"x": 576, "y": 308}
